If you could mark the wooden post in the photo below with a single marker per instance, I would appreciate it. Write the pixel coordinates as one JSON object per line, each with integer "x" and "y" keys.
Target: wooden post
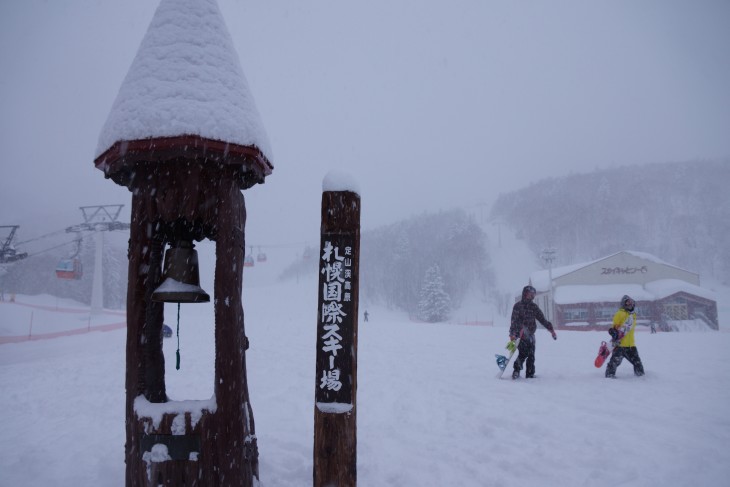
{"x": 140, "y": 241}
{"x": 234, "y": 445}
{"x": 335, "y": 425}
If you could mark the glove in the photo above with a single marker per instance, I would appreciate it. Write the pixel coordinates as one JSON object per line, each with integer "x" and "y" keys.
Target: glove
{"x": 614, "y": 333}
{"x": 555, "y": 337}
{"x": 511, "y": 346}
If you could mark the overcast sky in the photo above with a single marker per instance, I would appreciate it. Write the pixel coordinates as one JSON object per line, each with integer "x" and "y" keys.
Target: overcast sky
{"x": 428, "y": 105}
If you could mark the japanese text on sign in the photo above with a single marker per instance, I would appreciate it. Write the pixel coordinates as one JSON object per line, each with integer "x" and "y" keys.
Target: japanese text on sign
{"x": 336, "y": 279}
{"x": 624, "y": 270}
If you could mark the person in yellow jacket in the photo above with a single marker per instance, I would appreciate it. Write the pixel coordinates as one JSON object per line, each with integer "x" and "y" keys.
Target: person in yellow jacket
{"x": 622, "y": 334}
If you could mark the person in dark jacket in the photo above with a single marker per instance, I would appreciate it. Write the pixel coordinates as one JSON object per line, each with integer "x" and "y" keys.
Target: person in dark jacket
{"x": 523, "y": 325}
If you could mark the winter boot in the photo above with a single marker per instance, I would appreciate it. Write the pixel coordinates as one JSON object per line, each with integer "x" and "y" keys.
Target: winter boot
{"x": 516, "y": 374}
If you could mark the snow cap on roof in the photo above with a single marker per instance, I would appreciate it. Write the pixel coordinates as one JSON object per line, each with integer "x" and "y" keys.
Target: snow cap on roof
{"x": 604, "y": 293}
{"x": 541, "y": 279}
{"x": 667, "y": 287}
{"x": 651, "y": 291}
{"x": 336, "y": 180}
{"x": 186, "y": 79}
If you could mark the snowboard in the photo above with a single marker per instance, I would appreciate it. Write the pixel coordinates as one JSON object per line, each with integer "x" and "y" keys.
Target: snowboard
{"x": 503, "y": 361}
{"x": 603, "y": 353}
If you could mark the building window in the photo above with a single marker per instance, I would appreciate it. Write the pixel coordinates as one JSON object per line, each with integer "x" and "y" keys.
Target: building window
{"x": 676, "y": 311}
{"x": 575, "y": 314}
{"x": 605, "y": 312}
{"x": 643, "y": 312}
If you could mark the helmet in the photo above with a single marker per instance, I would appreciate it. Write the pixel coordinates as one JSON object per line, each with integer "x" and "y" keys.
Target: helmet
{"x": 528, "y": 289}
{"x": 627, "y": 303}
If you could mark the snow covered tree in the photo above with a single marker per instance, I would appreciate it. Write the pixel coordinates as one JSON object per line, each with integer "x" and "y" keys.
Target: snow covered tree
{"x": 394, "y": 259}
{"x": 435, "y": 303}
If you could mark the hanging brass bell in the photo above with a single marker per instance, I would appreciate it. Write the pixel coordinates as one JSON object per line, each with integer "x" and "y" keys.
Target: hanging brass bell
{"x": 180, "y": 276}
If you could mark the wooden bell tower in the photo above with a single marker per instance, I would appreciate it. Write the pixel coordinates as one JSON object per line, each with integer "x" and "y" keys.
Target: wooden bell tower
{"x": 186, "y": 178}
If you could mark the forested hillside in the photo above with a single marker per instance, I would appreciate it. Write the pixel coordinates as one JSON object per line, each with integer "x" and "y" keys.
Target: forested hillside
{"x": 396, "y": 259}
{"x": 679, "y": 212}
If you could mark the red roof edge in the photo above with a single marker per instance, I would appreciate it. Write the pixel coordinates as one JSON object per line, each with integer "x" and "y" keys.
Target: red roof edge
{"x": 119, "y": 160}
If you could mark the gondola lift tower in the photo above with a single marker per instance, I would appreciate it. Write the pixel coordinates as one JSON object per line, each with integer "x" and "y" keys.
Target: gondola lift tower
{"x": 8, "y": 252}
{"x": 98, "y": 219}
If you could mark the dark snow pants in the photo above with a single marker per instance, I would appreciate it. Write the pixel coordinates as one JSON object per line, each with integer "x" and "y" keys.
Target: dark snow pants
{"x": 631, "y": 354}
{"x": 526, "y": 351}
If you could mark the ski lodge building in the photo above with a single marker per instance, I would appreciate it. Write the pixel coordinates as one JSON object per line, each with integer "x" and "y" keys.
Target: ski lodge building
{"x": 586, "y": 296}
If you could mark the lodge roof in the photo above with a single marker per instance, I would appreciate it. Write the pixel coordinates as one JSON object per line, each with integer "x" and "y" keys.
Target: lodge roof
{"x": 651, "y": 291}
{"x": 541, "y": 279}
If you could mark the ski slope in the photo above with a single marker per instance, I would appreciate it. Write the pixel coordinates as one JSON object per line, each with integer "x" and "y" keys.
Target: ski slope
{"x": 430, "y": 410}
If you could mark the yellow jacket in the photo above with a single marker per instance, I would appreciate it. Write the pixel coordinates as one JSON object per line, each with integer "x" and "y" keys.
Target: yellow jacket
{"x": 625, "y": 321}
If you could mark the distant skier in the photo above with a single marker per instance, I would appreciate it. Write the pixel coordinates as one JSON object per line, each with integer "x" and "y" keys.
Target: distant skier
{"x": 622, "y": 334}
{"x": 525, "y": 313}
{"x": 366, "y": 315}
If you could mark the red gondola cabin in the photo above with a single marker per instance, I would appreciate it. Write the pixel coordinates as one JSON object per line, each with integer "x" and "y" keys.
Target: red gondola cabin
{"x": 69, "y": 269}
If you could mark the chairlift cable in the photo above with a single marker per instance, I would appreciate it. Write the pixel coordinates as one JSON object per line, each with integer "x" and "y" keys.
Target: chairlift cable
{"x": 52, "y": 248}
{"x": 41, "y": 237}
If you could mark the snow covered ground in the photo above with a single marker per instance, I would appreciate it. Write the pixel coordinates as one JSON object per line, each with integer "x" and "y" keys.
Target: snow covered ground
{"x": 430, "y": 410}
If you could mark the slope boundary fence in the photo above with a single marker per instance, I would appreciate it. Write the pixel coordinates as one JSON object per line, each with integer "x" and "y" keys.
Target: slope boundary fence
{"x": 61, "y": 333}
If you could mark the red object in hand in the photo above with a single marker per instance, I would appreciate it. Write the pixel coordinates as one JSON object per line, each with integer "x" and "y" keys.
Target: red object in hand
{"x": 603, "y": 353}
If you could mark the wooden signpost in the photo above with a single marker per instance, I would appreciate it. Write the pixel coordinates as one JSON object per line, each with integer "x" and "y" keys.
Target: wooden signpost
{"x": 335, "y": 427}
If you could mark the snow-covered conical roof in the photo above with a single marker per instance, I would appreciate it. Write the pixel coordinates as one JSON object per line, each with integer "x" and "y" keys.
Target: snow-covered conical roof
{"x": 186, "y": 79}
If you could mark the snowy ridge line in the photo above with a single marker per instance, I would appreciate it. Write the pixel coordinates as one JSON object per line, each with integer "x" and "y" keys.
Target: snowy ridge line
{"x": 63, "y": 310}
{"x": 414, "y": 319}
{"x": 471, "y": 323}
{"x": 58, "y": 334}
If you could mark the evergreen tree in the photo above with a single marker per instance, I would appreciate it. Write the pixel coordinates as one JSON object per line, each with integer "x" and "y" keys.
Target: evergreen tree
{"x": 395, "y": 259}
{"x": 435, "y": 303}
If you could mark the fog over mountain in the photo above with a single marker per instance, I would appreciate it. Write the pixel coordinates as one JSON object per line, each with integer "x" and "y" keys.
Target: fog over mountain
{"x": 679, "y": 212}
{"x": 428, "y": 105}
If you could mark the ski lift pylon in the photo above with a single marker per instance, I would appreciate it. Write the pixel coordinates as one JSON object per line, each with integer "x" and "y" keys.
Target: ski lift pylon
{"x": 8, "y": 253}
